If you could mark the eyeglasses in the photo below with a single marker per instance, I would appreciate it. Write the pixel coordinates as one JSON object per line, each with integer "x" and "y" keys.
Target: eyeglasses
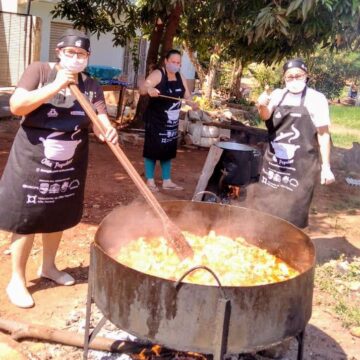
{"x": 295, "y": 77}
{"x": 71, "y": 53}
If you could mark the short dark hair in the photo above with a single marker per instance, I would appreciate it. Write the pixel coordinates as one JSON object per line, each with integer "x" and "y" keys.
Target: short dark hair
{"x": 172, "y": 52}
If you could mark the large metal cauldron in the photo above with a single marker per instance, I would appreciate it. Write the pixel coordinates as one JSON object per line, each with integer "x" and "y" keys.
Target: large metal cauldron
{"x": 189, "y": 317}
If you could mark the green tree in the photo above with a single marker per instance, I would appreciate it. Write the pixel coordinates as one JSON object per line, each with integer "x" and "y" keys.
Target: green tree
{"x": 330, "y": 71}
{"x": 259, "y": 30}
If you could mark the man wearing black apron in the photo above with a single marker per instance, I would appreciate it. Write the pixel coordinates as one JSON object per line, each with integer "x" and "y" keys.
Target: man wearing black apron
{"x": 297, "y": 119}
{"x": 42, "y": 187}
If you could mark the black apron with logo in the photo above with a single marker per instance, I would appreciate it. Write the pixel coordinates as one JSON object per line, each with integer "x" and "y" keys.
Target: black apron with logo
{"x": 42, "y": 188}
{"x": 290, "y": 166}
{"x": 162, "y": 120}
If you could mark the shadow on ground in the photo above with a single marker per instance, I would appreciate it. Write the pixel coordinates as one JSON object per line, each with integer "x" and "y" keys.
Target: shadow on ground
{"x": 80, "y": 274}
{"x": 329, "y": 248}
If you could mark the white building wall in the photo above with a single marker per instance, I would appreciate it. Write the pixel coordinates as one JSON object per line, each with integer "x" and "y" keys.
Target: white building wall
{"x": 8, "y": 5}
{"x": 42, "y": 10}
{"x": 103, "y": 52}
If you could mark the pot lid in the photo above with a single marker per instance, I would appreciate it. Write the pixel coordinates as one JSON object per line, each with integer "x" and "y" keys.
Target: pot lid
{"x": 228, "y": 145}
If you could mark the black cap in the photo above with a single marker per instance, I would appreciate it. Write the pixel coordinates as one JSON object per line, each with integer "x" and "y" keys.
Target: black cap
{"x": 75, "y": 38}
{"x": 295, "y": 63}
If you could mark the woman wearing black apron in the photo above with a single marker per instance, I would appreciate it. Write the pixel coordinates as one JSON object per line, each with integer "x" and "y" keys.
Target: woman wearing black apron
{"x": 42, "y": 187}
{"x": 162, "y": 119}
{"x": 297, "y": 119}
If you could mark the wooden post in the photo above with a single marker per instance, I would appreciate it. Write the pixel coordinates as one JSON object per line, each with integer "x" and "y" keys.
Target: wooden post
{"x": 212, "y": 159}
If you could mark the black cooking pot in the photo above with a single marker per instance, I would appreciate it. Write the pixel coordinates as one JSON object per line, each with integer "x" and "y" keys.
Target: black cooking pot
{"x": 240, "y": 163}
{"x": 190, "y": 317}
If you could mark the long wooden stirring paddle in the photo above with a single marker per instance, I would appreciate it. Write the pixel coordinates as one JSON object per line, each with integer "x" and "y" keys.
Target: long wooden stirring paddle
{"x": 172, "y": 98}
{"x": 173, "y": 234}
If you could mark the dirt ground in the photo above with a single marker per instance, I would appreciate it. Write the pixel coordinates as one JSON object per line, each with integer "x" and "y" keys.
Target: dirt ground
{"x": 334, "y": 228}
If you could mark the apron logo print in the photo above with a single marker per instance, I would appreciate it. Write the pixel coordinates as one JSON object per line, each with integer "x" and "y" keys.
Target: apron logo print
{"x": 52, "y": 113}
{"x": 293, "y": 182}
{"x": 286, "y": 151}
{"x": 277, "y": 115}
{"x": 64, "y": 186}
{"x": 54, "y": 189}
{"x": 31, "y": 199}
{"x": 59, "y": 150}
{"x": 74, "y": 184}
{"x": 44, "y": 188}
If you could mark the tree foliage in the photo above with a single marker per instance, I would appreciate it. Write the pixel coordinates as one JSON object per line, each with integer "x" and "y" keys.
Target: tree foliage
{"x": 263, "y": 31}
{"x": 102, "y": 16}
{"x": 330, "y": 71}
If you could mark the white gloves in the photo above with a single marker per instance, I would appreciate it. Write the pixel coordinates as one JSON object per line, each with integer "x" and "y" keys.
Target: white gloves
{"x": 263, "y": 99}
{"x": 327, "y": 176}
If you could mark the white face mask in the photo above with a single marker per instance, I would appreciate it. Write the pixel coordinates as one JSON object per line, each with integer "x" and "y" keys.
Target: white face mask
{"x": 295, "y": 86}
{"x": 73, "y": 64}
{"x": 172, "y": 67}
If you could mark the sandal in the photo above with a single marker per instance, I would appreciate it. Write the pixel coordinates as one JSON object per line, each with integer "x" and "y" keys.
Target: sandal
{"x": 62, "y": 278}
{"x": 19, "y": 296}
{"x": 169, "y": 185}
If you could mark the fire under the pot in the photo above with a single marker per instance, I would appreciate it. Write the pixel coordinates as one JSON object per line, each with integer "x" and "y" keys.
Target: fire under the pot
{"x": 234, "y": 261}
{"x": 157, "y": 352}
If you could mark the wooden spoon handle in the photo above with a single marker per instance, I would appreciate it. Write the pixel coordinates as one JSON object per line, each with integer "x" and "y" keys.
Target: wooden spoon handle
{"x": 178, "y": 242}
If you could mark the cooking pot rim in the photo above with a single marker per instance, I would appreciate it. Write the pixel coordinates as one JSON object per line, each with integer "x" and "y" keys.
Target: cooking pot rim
{"x": 231, "y": 145}
{"x": 310, "y": 267}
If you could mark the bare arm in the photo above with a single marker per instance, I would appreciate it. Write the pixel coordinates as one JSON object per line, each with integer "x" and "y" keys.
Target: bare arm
{"x": 148, "y": 87}
{"x": 323, "y": 136}
{"x": 23, "y": 101}
{"x": 326, "y": 177}
{"x": 264, "y": 112}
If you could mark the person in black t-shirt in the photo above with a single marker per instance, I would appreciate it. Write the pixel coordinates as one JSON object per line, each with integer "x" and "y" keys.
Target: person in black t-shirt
{"x": 42, "y": 187}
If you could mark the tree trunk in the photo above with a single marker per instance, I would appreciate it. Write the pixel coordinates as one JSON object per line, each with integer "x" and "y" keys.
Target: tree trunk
{"x": 155, "y": 40}
{"x": 172, "y": 25}
{"x": 199, "y": 69}
{"x": 211, "y": 75}
{"x": 236, "y": 79}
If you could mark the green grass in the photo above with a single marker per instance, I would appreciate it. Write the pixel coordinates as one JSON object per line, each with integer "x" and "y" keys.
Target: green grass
{"x": 344, "y": 140}
{"x": 345, "y": 116}
{"x": 345, "y": 121}
{"x": 342, "y": 301}
{"x": 345, "y": 125}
